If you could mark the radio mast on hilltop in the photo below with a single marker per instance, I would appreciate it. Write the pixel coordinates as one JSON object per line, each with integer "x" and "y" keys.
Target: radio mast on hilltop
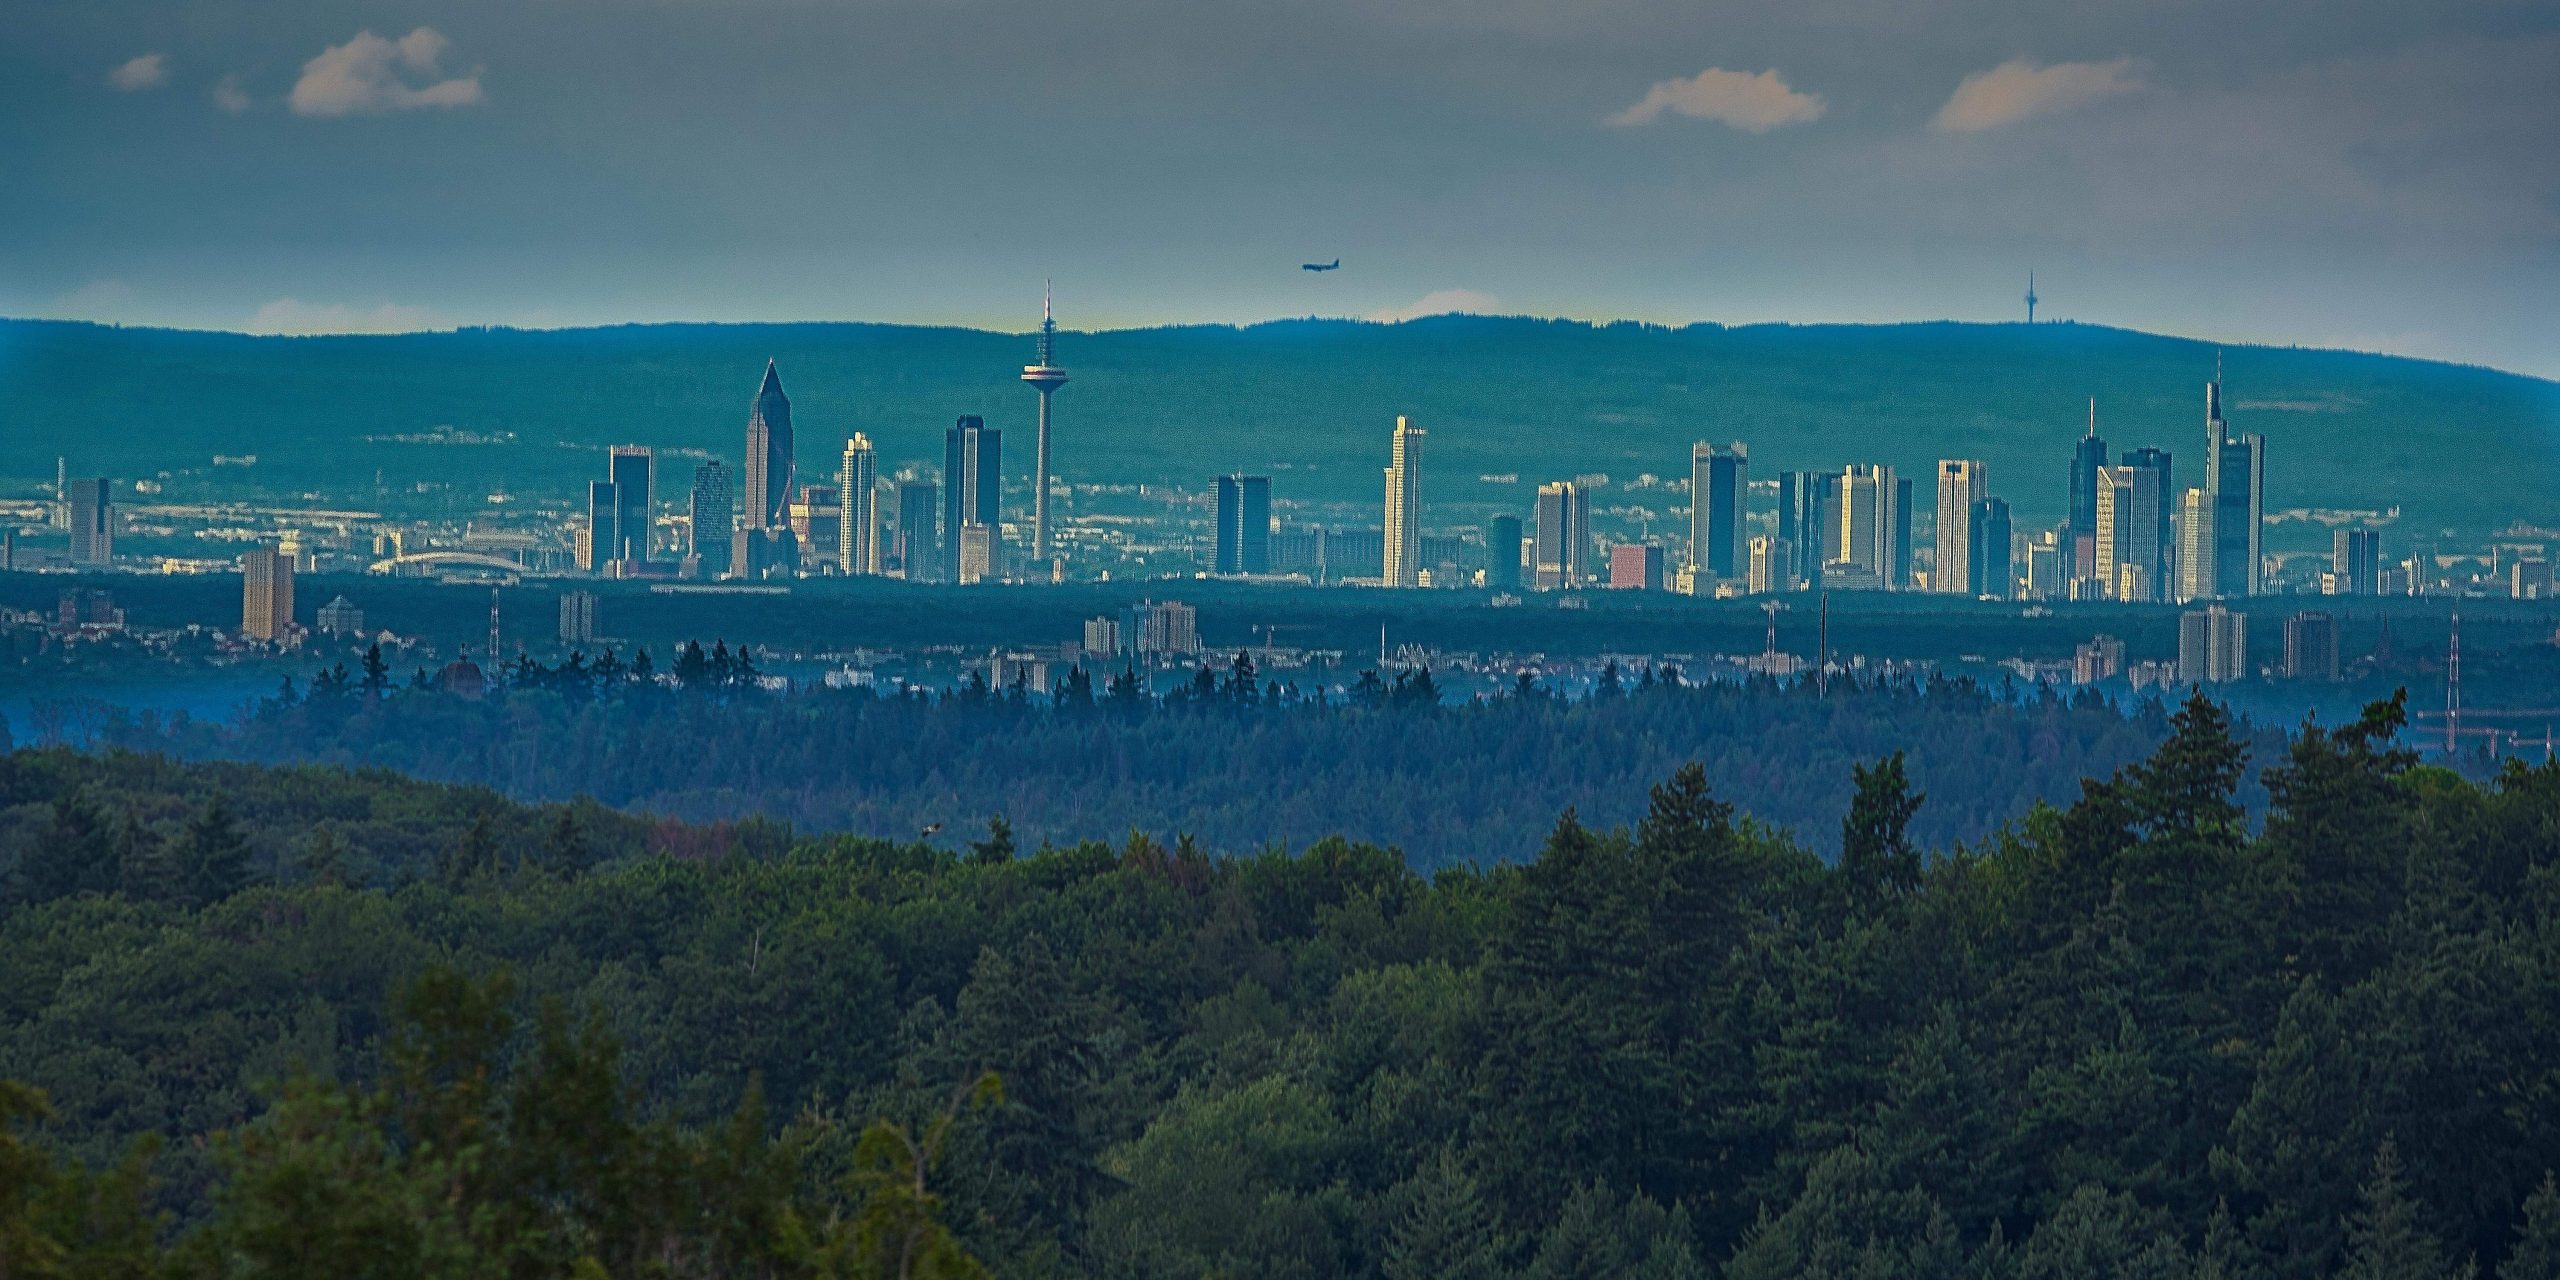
{"x": 2031, "y": 295}
{"x": 1045, "y": 377}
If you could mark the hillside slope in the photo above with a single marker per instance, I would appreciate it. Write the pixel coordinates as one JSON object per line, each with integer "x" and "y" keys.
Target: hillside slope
{"x": 1310, "y": 401}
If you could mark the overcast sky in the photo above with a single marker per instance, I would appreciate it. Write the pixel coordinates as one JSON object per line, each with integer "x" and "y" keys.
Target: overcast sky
{"x": 2381, "y": 174}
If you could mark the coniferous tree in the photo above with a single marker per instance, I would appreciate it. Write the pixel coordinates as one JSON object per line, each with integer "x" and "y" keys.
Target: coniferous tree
{"x": 1877, "y": 858}
{"x": 564, "y": 850}
{"x": 214, "y": 855}
{"x": 2384, "y": 1239}
{"x": 1443, "y": 1228}
{"x": 2535, "y": 1255}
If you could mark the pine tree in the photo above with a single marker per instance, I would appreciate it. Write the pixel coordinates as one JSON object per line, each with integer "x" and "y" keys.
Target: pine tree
{"x": 564, "y": 849}
{"x": 76, "y": 854}
{"x": 1877, "y": 858}
{"x": 1443, "y": 1229}
{"x": 2536, "y": 1252}
{"x": 214, "y": 855}
{"x": 324, "y": 856}
{"x": 377, "y": 673}
{"x": 2384, "y": 1238}
{"x": 997, "y": 848}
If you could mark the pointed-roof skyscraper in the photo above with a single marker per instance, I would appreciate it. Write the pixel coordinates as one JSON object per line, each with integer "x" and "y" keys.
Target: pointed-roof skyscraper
{"x": 768, "y": 496}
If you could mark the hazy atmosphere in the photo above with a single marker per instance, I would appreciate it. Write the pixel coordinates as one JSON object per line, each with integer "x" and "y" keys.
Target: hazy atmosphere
{"x": 2195, "y": 168}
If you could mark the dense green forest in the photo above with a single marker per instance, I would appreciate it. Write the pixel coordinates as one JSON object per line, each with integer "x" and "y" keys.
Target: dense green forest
{"x": 311, "y": 1022}
{"x": 1236, "y": 761}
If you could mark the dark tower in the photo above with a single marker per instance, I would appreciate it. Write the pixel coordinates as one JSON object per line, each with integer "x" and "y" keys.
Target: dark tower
{"x": 769, "y": 468}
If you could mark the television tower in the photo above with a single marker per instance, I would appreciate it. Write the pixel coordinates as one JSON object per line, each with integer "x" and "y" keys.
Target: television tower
{"x": 1045, "y": 377}
{"x": 2031, "y": 295}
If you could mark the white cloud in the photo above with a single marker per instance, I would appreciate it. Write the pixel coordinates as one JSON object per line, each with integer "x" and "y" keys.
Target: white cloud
{"x": 104, "y": 300}
{"x": 150, "y": 71}
{"x": 370, "y": 74}
{"x": 294, "y": 316}
{"x": 228, "y": 95}
{"x": 1439, "y": 303}
{"x": 2020, "y": 90}
{"x": 1752, "y": 103}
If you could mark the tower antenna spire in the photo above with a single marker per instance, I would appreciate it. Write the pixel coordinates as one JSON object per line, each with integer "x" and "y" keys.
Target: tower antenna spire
{"x": 2093, "y": 418}
{"x": 2031, "y": 295}
{"x": 1045, "y": 377}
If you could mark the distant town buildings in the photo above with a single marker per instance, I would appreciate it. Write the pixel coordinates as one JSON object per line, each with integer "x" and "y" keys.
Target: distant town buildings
{"x": 2213, "y": 645}
{"x": 339, "y": 617}
{"x": 266, "y": 595}
{"x": 1243, "y": 539}
{"x": 2311, "y": 646}
{"x": 89, "y": 506}
{"x": 578, "y": 617}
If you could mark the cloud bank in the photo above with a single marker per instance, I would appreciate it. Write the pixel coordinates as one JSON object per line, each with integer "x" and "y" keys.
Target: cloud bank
{"x": 370, "y": 75}
{"x": 150, "y": 71}
{"x": 2020, "y": 90}
{"x": 1439, "y": 302}
{"x": 1751, "y": 103}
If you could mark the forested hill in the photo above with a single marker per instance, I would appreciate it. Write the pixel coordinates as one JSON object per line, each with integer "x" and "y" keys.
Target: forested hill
{"x": 2142, "y": 1037}
{"x": 1308, "y": 401}
{"x": 1238, "y": 765}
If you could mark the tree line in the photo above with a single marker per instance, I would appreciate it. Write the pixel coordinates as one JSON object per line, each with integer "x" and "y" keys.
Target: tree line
{"x": 2142, "y": 1033}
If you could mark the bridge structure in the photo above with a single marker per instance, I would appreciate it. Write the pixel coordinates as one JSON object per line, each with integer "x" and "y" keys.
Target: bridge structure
{"x": 433, "y": 560}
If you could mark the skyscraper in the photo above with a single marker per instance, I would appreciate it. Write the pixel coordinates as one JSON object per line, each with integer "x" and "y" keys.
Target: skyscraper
{"x": 1502, "y": 553}
{"x": 1244, "y": 525}
{"x": 769, "y": 454}
{"x": 1987, "y": 537}
{"x": 577, "y": 617}
{"x": 632, "y": 469}
{"x": 919, "y": 549}
{"x": 1403, "y": 561}
{"x": 266, "y": 595}
{"x": 604, "y": 527}
{"x": 1562, "y": 557}
{"x": 857, "y": 509}
{"x": 1719, "y": 497}
{"x": 2311, "y": 646}
{"x": 2355, "y": 561}
{"x": 1635, "y": 566}
{"x": 2195, "y": 545}
{"x": 1872, "y": 530}
{"x": 1804, "y": 506}
{"x": 2090, "y": 455}
{"x": 2165, "y": 540}
{"x": 90, "y": 507}
{"x": 1962, "y": 485}
{"x": 973, "y": 492}
{"x": 2128, "y": 557}
{"x": 2235, "y": 480}
{"x": 712, "y": 517}
{"x": 1771, "y": 562}
{"x": 2213, "y": 645}
{"x": 1045, "y": 377}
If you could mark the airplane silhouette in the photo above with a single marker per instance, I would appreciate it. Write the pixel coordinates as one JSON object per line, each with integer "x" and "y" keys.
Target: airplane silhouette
{"x": 1320, "y": 266}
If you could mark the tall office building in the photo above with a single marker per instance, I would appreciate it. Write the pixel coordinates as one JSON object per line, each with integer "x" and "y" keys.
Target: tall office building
{"x": 1403, "y": 559}
{"x": 1502, "y": 553}
{"x": 1901, "y": 578}
{"x": 2046, "y": 555}
{"x": 2195, "y": 545}
{"x": 918, "y": 547}
{"x": 1804, "y": 506}
{"x": 2235, "y": 481}
{"x": 712, "y": 517}
{"x": 769, "y": 454}
{"x": 2128, "y": 556}
{"x": 1987, "y": 537}
{"x": 2213, "y": 645}
{"x": 90, "y": 507}
{"x": 1635, "y": 566}
{"x": 1561, "y": 559}
{"x": 2355, "y": 561}
{"x": 2165, "y": 537}
{"x": 632, "y": 468}
{"x": 578, "y": 617}
{"x": 1719, "y": 498}
{"x": 981, "y": 554}
{"x": 1244, "y": 525}
{"x": 815, "y": 512}
{"x": 858, "y": 508}
{"x": 1962, "y": 485}
{"x": 2086, "y": 458}
{"x": 1873, "y": 529}
{"x": 1045, "y": 377}
{"x": 2311, "y": 646}
{"x": 1772, "y": 562}
{"x": 266, "y": 595}
{"x": 973, "y": 492}
{"x": 604, "y": 527}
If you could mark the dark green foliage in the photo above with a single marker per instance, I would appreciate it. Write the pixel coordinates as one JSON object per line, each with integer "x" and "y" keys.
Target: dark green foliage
{"x": 2118, "y": 1040}
{"x": 213, "y": 855}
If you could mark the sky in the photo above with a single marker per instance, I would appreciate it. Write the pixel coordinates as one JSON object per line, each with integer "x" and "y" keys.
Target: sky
{"x": 2374, "y": 174}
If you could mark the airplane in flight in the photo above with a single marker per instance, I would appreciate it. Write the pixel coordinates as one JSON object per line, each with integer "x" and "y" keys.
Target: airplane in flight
{"x": 1320, "y": 266}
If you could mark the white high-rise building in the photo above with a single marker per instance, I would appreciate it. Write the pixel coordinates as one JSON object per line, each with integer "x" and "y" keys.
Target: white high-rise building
{"x": 2195, "y": 545}
{"x": 1404, "y": 507}
{"x": 1962, "y": 482}
{"x": 2129, "y": 532}
{"x": 1869, "y": 521}
{"x": 858, "y": 509}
